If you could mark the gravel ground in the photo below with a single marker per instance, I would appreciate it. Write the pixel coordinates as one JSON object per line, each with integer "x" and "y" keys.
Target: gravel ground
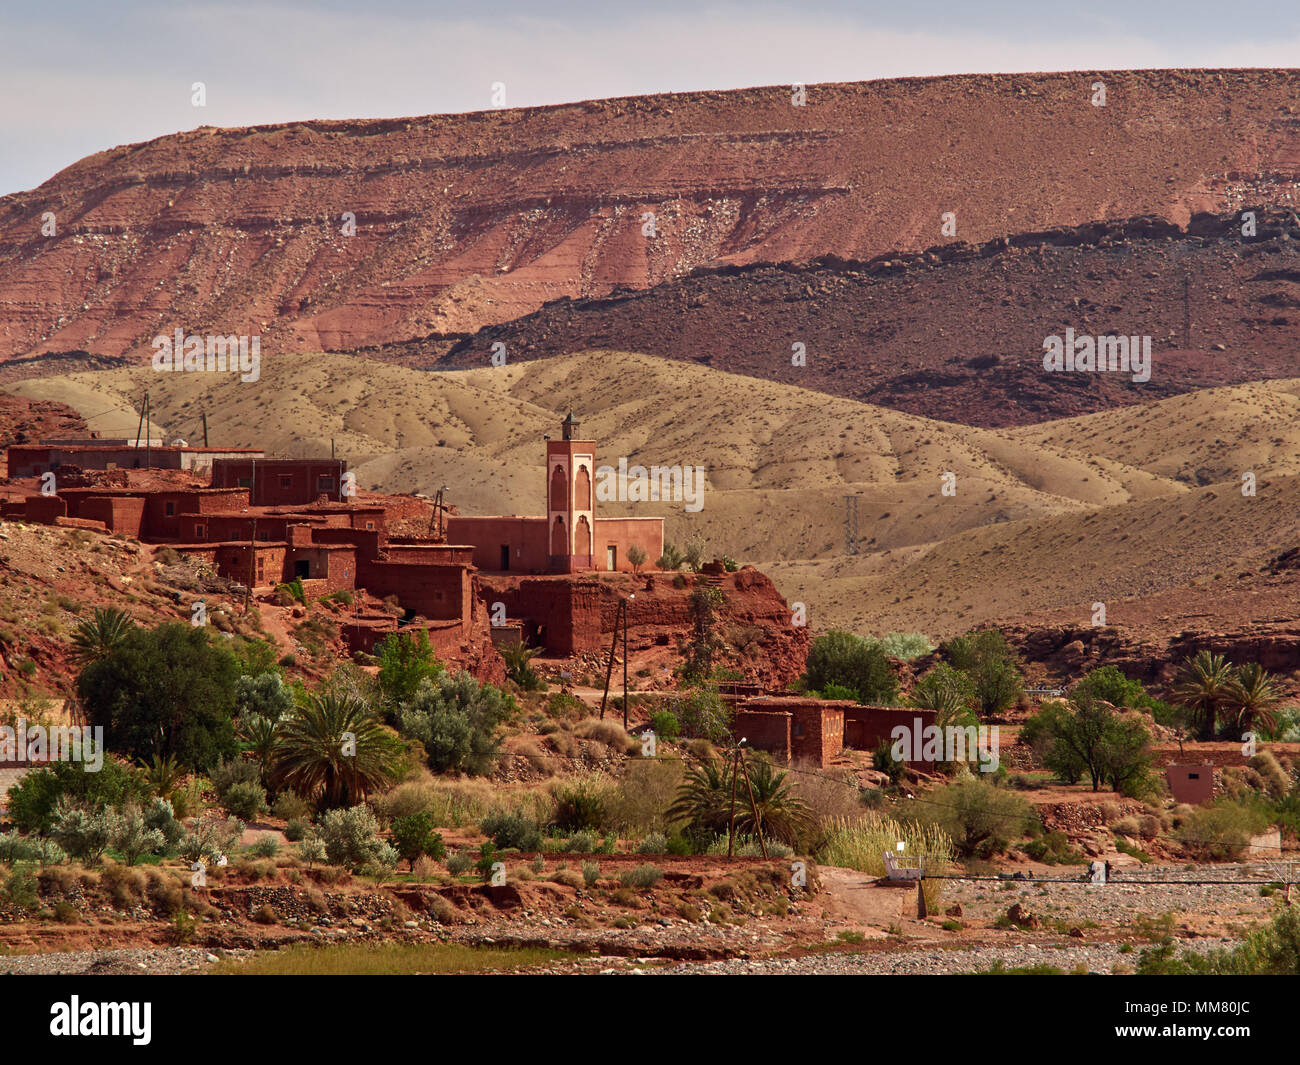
{"x": 154, "y": 961}
{"x": 1098, "y": 957}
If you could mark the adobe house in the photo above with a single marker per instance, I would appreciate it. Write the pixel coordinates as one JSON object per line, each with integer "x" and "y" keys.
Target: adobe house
{"x": 1192, "y": 784}
{"x": 570, "y": 538}
{"x": 803, "y": 729}
{"x": 33, "y": 460}
{"x": 281, "y": 482}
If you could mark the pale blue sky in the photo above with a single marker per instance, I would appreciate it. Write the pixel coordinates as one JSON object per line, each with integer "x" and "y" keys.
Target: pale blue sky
{"x": 83, "y": 75}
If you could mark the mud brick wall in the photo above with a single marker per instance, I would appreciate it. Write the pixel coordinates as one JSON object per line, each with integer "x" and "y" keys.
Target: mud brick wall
{"x": 433, "y": 591}
{"x": 764, "y": 730}
{"x": 123, "y": 515}
{"x": 866, "y": 726}
{"x": 816, "y": 733}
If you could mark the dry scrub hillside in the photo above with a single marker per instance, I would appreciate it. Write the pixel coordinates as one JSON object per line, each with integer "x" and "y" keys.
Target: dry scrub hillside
{"x": 779, "y": 459}
{"x": 1139, "y": 502}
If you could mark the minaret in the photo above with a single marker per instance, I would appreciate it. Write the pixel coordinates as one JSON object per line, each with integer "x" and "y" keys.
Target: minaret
{"x": 570, "y": 498}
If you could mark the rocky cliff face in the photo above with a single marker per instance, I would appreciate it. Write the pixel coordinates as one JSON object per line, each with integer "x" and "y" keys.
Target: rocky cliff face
{"x": 469, "y": 220}
{"x": 956, "y": 332}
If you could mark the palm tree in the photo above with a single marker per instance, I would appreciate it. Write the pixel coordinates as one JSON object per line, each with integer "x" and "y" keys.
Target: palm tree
{"x": 518, "y": 658}
{"x": 97, "y": 639}
{"x": 1253, "y": 694}
{"x": 1203, "y": 688}
{"x": 334, "y": 748}
{"x": 948, "y": 693}
{"x": 261, "y": 734}
{"x": 164, "y": 773}
{"x": 775, "y": 809}
{"x": 704, "y": 800}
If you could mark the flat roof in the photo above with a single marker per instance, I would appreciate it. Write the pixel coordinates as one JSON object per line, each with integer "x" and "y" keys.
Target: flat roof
{"x": 131, "y": 446}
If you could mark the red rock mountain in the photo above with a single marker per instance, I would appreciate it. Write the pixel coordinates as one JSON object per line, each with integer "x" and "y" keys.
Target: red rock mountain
{"x": 464, "y": 221}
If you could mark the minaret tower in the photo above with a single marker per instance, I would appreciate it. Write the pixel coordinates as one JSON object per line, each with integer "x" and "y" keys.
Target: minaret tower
{"x": 570, "y": 499}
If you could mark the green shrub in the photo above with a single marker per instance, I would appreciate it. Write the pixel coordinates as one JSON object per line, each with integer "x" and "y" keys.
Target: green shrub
{"x": 33, "y": 800}
{"x": 852, "y": 664}
{"x": 664, "y": 724}
{"x": 1221, "y": 832}
{"x": 590, "y": 873}
{"x": 642, "y": 877}
{"x": 906, "y": 645}
{"x": 351, "y": 837}
{"x": 985, "y": 657}
{"x": 414, "y": 837}
{"x": 703, "y": 715}
{"x": 86, "y": 832}
{"x": 581, "y": 843}
{"x": 512, "y": 829}
{"x": 655, "y": 843}
{"x": 135, "y": 838}
{"x": 245, "y": 800}
{"x": 580, "y": 804}
{"x": 263, "y": 847}
{"x": 979, "y": 818}
{"x": 458, "y": 721}
{"x": 296, "y": 829}
{"x": 460, "y": 863}
{"x": 207, "y": 839}
{"x": 290, "y": 806}
{"x": 20, "y": 888}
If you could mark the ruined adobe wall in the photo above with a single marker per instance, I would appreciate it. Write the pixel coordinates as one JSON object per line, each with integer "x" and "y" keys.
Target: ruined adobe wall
{"x": 576, "y": 614}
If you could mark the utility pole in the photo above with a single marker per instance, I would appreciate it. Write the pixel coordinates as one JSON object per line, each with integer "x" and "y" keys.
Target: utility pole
{"x": 626, "y": 697}
{"x": 140, "y": 427}
{"x": 758, "y": 818}
{"x": 205, "y": 428}
{"x": 609, "y": 669}
{"x": 731, "y": 823}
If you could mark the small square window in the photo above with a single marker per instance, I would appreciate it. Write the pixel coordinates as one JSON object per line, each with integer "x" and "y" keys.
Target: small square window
{"x": 245, "y": 482}
{"x": 324, "y": 484}
{"x": 286, "y": 482}
{"x": 169, "y": 509}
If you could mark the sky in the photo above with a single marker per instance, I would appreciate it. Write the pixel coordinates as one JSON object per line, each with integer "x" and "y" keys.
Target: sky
{"x": 80, "y": 76}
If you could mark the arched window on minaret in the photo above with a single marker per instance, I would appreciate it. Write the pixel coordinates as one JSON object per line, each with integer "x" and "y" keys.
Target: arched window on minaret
{"x": 582, "y": 489}
{"x": 582, "y": 537}
{"x": 559, "y": 489}
{"x": 559, "y": 540}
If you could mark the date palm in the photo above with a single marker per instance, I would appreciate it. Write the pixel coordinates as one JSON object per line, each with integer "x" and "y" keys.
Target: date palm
{"x": 1203, "y": 687}
{"x": 335, "y": 749}
{"x": 1253, "y": 695}
{"x": 704, "y": 801}
{"x": 774, "y": 808}
{"x": 98, "y": 637}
